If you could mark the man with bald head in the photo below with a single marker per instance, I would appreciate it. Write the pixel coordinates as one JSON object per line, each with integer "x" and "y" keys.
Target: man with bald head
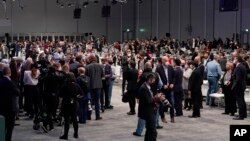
{"x": 226, "y": 86}
{"x": 166, "y": 73}
{"x": 213, "y": 75}
{"x": 201, "y": 70}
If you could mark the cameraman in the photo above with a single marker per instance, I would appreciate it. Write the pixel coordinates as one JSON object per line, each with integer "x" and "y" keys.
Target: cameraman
{"x": 147, "y": 106}
{"x": 54, "y": 81}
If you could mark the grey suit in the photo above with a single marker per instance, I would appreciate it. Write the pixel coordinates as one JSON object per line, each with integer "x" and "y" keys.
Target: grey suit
{"x": 95, "y": 73}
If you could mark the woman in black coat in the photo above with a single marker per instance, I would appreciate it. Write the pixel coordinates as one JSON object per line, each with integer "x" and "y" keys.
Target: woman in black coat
{"x": 69, "y": 95}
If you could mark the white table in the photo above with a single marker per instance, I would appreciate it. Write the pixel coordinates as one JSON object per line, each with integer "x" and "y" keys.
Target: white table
{"x": 218, "y": 96}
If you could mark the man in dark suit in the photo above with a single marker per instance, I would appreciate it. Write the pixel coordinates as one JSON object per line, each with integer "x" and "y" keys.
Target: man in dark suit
{"x": 132, "y": 86}
{"x": 166, "y": 73}
{"x": 95, "y": 73}
{"x": 106, "y": 83}
{"x": 239, "y": 86}
{"x": 195, "y": 89}
{"x": 201, "y": 69}
{"x": 8, "y": 105}
{"x": 178, "y": 90}
{"x": 147, "y": 105}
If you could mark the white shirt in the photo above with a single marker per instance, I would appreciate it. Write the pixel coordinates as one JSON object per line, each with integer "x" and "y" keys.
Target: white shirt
{"x": 166, "y": 72}
{"x": 28, "y": 80}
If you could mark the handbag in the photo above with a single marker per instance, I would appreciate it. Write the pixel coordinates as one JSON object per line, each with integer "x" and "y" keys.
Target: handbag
{"x": 125, "y": 97}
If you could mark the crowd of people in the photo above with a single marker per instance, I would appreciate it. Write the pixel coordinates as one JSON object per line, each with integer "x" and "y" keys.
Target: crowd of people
{"x": 68, "y": 79}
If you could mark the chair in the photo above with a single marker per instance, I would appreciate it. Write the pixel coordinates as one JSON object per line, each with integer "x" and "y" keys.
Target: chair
{"x": 204, "y": 88}
{"x": 247, "y": 96}
{"x": 218, "y": 96}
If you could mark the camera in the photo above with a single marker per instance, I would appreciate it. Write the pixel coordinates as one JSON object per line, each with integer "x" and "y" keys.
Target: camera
{"x": 166, "y": 103}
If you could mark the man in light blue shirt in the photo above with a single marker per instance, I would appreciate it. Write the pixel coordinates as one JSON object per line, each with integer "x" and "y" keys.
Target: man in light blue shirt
{"x": 213, "y": 75}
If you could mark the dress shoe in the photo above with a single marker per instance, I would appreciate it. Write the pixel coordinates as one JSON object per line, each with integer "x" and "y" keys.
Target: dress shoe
{"x": 76, "y": 135}
{"x": 17, "y": 124}
{"x": 109, "y": 107}
{"x": 159, "y": 127}
{"x": 103, "y": 109}
{"x": 136, "y": 134}
{"x": 225, "y": 113}
{"x": 193, "y": 116}
{"x": 64, "y": 137}
{"x": 98, "y": 118}
{"x": 238, "y": 118}
{"x": 179, "y": 115}
{"x": 164, "y": 120}
{"x": 131, "y": 113}
{"x": 172, "y": 120}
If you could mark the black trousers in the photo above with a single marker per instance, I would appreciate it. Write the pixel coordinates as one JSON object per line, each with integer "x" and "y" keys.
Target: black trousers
{"x": 32, "y": 100}
{"x": 124, "y": 80}
{"x": 50, "y": 101}
{"x": 105, "y": 95}
{"x": 187, "y": 100}
{"x": 230, "y": 100}
{"x": 196, "y": 102}
{"x": 70, "y": 114}
{"x": 9, "y": 125}
{"x": 132, "y": 101}
{"x": 151, "y": 133}
{"x": 241, "y": 102}
{"x": 178, "y": 102}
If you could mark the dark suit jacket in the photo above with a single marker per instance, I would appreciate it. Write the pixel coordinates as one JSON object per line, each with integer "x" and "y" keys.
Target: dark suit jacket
{"x": 124, "y": 63}
{"x": 239, "y": 76}
{"x": 95, "y": 73}
{"x": 146, "y": 103}
{"x": 193, "y": 86}
{"x": 201, "y": 69}
{"x": 178, "y": 75}
{"x": 108, "y": 73}
{"x": 132, "y": 80}
{"x": 160, "y": 70}
{"x": 8, "y": 93}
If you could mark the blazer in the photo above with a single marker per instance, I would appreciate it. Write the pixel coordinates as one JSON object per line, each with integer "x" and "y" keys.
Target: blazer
{"x": 239, "y": 78}
{"x": 201, "y": 69}
{"x": 8, "y": 93}
{"x": 95, "y": 73}
{"x": 108, "y": 72}
{"x": 132, "y": 80}
{"x": 160, "y": 70}
{"x": 178, "y": 75}
{"x": 146, "y": 103}
{"x": 193, "y": 86}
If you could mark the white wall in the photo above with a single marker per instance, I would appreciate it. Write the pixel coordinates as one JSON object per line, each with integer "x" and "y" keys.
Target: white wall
{"x": 42, "y": 16}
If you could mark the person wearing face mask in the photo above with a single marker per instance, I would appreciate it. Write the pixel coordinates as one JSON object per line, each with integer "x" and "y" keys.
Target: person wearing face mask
{"x": 166, "y": 73}
{"x": 239, "y": 86}
{"x": 186, "y": 75}
{"x": 195, "y": 89}
{"x": 124, "y": 65}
